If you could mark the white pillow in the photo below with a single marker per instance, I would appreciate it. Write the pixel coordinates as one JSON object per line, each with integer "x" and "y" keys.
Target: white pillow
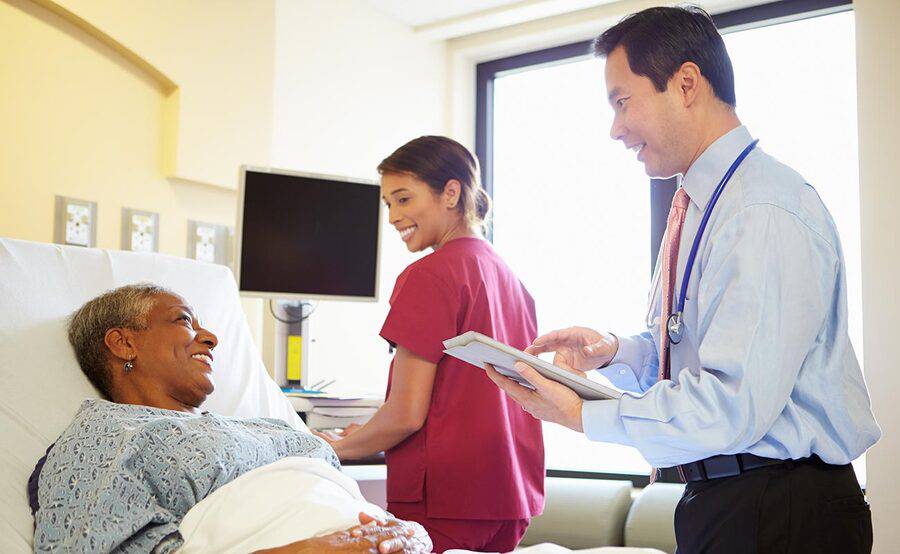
{"x": 42, "y": 385}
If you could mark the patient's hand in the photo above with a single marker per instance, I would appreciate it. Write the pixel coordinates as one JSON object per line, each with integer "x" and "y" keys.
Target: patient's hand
{"x": 416, "y": 537}
{"x": 372, "y": 536}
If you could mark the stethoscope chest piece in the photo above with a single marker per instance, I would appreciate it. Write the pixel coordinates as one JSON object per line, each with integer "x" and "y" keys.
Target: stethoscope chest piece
{"x": 675, "y": 323}
{"x": 675, "y": 328}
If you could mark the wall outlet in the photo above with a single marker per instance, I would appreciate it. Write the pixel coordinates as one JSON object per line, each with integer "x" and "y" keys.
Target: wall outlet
{"x": 208, "y": 242}
{"x": 140, "y": 230}
{"x": 75, "y": 222}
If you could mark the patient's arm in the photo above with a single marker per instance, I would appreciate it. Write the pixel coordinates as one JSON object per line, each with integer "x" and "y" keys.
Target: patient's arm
{"x": 371, "y": 536}
{"x": 402, "y": 414}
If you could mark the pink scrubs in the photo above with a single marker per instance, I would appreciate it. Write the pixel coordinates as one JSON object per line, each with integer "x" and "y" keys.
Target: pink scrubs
{"x": 474, "y": 473}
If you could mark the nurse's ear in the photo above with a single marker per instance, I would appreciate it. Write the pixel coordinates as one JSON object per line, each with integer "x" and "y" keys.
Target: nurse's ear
{"x": 450, "y": 196}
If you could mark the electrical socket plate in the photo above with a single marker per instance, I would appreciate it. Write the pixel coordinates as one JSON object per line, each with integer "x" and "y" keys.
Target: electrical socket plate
{"x": 75, "y": 222}
{"x": 140, "y": 230}
{"x": 208, "y": 242}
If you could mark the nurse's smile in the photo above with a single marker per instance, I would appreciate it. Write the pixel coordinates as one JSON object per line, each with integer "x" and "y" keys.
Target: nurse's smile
{"x": 407, "y": 232}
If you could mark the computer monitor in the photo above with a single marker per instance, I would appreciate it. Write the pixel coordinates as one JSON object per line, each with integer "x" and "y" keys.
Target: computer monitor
{"x": 307, "y": 236}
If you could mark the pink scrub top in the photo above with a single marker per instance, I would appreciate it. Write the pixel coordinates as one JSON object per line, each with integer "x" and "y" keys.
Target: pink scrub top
{"x": 479, "y": 455}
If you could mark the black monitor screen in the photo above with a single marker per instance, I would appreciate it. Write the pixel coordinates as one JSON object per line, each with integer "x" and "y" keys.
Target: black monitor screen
{"x": 308, "y": 236}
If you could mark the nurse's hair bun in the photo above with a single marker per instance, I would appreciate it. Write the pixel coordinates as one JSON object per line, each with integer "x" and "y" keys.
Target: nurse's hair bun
{"x": 436, "y": 160}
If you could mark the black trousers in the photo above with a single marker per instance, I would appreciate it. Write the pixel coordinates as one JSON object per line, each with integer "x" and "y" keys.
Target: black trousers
{"x": 795, "y": 507}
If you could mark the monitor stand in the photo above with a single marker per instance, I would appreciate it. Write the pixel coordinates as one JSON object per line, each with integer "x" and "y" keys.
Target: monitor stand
{"x": 292, "y": 343}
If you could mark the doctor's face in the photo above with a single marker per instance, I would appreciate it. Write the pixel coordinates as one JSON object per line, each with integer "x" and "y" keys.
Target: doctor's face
{"x": 416, "y": 211}
{"x": 646, "y": 121}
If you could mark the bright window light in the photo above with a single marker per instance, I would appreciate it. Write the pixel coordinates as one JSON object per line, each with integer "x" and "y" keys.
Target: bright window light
{"x": 572, "y": 219}
{"x": 572, "y": 207}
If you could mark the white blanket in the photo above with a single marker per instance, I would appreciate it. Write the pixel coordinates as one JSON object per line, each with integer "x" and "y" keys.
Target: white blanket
{"x": 286, "y": 501}
{"x": 291, "y": 500}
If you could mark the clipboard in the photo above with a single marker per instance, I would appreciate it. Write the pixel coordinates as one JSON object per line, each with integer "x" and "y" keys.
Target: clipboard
{"x": 478, "y": 349}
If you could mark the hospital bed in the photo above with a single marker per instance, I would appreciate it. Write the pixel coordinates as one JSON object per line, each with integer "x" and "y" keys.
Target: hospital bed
{"x": 42, "y": 386}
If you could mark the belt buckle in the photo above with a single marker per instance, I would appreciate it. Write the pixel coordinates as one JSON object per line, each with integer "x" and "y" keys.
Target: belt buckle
{"x": 717, "y": 467}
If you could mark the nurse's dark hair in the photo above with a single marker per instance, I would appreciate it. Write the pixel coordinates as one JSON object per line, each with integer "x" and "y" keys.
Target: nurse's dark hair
{"x": 127, "y": 307}
{"x": 437, "y": 160}
{"x": 657, "y": 41}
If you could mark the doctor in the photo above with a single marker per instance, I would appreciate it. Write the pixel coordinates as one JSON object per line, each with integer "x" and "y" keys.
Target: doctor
{"x": 746, "y": 380}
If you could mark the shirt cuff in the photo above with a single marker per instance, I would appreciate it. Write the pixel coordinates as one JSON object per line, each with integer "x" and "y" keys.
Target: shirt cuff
{"x": 602, "y": 423}
{"x": 622, "y": 376}
{"x": 629, "y": 353}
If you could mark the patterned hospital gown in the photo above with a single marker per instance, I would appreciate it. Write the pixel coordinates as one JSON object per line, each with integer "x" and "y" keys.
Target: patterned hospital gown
{"x": 121, "y": 477}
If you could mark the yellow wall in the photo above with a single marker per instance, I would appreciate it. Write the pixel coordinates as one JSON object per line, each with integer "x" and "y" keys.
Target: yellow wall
{"x": 220, "y": 55}
{"x": 83, "y": 112}
{"x": 79, "y": 120}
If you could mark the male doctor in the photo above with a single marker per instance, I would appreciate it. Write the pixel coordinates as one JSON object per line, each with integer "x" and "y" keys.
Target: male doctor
{"x": 752, "y": 389}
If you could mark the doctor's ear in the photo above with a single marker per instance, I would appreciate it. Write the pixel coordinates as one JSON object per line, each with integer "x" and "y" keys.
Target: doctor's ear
{"x": 120, "y": 342}
{"x": 688, "y": 79}
{"x": 451, "y": 193}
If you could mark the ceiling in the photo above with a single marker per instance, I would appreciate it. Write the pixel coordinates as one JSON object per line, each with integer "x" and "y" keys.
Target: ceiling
{"x": 416, "y": 13}
{"x": 442, "y": 19}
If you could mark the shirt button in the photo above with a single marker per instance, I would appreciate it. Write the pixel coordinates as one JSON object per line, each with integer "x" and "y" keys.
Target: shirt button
{"x": 621, "y": 372}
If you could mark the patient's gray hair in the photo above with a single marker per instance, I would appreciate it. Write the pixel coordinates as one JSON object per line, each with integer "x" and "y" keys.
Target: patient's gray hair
{"x": 128, "y": 307}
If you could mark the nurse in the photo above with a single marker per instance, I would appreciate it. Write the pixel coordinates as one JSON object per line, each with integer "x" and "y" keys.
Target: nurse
{"x": 463, "y": 459}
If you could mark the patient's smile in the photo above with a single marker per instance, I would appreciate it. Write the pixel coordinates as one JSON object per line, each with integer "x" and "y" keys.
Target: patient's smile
{"x": 203, "y": 358}
{"x": 405, "y": 234}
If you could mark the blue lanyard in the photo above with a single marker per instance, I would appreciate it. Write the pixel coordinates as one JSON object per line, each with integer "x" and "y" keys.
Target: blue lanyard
{"x": 674, "y": 325}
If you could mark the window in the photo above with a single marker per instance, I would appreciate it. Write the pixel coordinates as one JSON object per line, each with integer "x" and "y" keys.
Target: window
{"x": 574, "y": 212}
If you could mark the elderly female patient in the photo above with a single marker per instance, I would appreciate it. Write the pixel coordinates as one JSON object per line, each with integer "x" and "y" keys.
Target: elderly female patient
{"x": 125, "y": 473}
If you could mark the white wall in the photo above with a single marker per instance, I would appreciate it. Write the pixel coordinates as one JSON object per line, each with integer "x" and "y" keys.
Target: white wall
{"x": 351, "y": 85}
{"x": 878, "y": 78}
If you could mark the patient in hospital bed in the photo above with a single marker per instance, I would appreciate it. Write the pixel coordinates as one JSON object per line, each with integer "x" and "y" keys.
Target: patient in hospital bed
{"x": 147, "y": 471}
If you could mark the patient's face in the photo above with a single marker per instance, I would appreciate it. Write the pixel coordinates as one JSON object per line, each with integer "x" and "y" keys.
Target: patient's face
{"x": 175, "y": 352}
{"x": 420, "y": 215}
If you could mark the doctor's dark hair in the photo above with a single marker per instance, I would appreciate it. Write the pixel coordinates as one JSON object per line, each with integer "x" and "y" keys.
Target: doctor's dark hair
{"x": 657, "y": 41}
{"x": 437, "y": 160}
{"x": 127, "y": 307}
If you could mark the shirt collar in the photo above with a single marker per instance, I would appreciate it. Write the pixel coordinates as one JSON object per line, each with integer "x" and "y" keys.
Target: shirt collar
{"x": 705, "y": 173}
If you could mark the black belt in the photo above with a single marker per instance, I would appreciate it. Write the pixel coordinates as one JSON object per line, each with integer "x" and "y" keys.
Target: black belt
{"x": 716, "y": 467}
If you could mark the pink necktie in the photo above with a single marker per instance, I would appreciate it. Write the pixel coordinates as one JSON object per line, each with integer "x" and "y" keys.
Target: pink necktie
{"x": 670, "y": 266}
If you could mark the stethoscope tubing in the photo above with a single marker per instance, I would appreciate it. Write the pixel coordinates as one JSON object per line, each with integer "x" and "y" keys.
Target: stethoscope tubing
{"x": 689, "y": 267}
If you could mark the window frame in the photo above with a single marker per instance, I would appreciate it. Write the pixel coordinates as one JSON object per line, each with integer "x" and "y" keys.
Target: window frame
{"x": 661, "y": 190}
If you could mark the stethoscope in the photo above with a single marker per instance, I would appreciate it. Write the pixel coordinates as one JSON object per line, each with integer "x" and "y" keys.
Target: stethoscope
{"x": 675, "y": 323}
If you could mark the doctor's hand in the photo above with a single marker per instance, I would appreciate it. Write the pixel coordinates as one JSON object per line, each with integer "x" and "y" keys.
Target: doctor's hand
{"x": 577, "y": 348}
{"x": 549, "y": 401}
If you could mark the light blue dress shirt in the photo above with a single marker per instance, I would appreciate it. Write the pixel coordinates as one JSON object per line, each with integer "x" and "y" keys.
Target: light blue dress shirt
{"x": 765, "y": 365}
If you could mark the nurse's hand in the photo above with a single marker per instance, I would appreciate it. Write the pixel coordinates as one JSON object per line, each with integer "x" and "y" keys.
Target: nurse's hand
{"x": 333, "y": 440}
{"x": 548, "y": 401}
{"x": 577, "y": 349}
{"x": 347, "y": 430}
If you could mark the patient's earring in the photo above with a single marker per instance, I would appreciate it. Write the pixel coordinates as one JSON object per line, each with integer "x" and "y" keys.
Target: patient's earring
{"x": 129, "y": 365}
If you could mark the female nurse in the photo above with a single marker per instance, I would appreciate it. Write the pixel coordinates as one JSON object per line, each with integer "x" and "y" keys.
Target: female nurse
{"x": 462, "y": 459}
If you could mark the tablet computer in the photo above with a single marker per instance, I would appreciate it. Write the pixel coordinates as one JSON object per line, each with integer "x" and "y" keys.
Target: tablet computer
{"x": 478, "y": 349}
